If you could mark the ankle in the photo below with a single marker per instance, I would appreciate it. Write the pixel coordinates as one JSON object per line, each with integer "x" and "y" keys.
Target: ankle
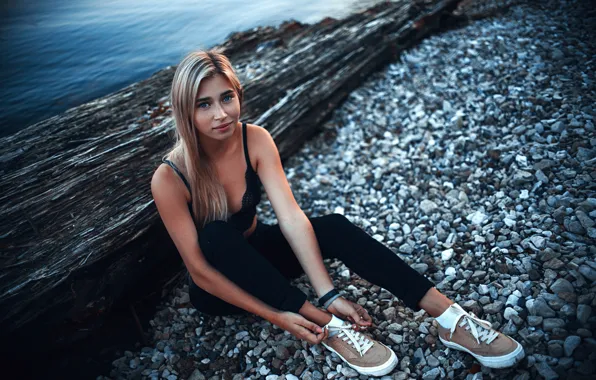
{"x": 449, "y": 316}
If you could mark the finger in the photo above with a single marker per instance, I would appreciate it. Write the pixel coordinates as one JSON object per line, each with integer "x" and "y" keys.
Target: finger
{"x": 308, "y": 336}
{"x": 322, "y": 336}
{"x": 366, "y": 317}
{"x": 355, "y": 317}
{"x": 311, "y": 326}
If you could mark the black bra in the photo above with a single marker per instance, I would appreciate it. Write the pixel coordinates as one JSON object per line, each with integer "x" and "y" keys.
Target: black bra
{"x": 243, "y": 219}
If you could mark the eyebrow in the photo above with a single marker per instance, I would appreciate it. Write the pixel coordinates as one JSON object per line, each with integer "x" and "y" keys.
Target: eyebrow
{"x": 222, "y": 94}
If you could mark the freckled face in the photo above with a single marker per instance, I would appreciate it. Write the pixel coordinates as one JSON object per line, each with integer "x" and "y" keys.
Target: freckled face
{"x": 217, "y": 108}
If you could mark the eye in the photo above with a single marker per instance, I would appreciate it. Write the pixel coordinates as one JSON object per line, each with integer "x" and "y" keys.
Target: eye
{"x": 203, "y": 105}
{"x": 228, "y": 98}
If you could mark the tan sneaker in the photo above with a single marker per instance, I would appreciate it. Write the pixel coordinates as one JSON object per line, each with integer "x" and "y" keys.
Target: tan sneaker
{"x": 477, "y": 337}
{"x": 365, "y": 355}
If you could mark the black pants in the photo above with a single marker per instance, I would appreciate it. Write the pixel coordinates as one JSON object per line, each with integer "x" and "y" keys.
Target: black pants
{"x": 263, "y": 263}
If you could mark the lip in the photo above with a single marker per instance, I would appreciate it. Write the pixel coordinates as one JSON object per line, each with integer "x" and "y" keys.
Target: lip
{"x": 222, "y": 126}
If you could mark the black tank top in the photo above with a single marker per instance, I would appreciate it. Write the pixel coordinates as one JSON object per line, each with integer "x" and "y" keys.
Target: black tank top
{"x": 243, "y": 219}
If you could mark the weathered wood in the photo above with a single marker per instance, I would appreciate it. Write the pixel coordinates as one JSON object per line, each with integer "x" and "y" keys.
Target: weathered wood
{"x": 79, "y": 228}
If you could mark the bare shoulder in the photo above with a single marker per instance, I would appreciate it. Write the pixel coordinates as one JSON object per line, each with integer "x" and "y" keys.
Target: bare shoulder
{"x": 166, "y": 183}
{"x": 257, "y": 132}
{"x": 259, "y": 137}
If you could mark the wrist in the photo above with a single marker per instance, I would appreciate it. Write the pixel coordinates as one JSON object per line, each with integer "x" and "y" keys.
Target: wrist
{"x": 272, "y": 316}
{"x": 327, "y": 299}
{"x": 321, "y": 291}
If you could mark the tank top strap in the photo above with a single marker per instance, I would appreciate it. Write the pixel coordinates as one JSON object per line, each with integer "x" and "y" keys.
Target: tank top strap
{"x": 171, "y": 164}
{"x": 244, "y": 141}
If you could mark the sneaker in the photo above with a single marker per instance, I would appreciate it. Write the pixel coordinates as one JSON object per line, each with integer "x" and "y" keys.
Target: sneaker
{"x": 359, "y": 351}
{"x": 475, "y": 336}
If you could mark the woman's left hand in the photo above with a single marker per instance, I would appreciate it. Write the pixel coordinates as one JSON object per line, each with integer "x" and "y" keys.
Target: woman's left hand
{"x": 350, "y": 311}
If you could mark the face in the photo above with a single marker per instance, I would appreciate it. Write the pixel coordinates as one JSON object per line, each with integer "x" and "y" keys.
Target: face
{"x": 217, "y": 108}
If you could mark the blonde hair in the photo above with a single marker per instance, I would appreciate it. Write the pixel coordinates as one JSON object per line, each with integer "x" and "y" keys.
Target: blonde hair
{"x": 207, "y": 193}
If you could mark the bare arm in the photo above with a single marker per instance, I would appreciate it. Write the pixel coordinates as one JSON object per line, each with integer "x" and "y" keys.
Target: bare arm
{"x": 294, "y": 225}
{"x": 172, "y": 206}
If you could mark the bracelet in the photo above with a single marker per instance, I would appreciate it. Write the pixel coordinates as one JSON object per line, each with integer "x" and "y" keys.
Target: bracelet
{"x": 330, "y": 294}
{"x": 328, "y": 303}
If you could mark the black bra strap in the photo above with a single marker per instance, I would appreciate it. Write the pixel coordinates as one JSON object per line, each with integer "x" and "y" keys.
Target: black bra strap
{"x": 177, "y": 172}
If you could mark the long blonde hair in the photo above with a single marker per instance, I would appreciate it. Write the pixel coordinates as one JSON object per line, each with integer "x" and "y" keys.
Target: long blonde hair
{"x": 207, "y": 193}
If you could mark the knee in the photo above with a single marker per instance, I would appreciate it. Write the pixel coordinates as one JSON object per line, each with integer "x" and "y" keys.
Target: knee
{"x": 337, "y": 218}
{"x": 331, "y": 223}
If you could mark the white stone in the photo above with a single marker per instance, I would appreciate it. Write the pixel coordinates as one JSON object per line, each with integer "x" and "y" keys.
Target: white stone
{"x": 450, "y": 271}
{"x": 509, "y": 222}
{"x": 339, "y": 210}
{"x": 509, "y": 312}
{"x": 512, "y": 300}
{"x": 447, "y": 254}
{"x": 477, "y": 218}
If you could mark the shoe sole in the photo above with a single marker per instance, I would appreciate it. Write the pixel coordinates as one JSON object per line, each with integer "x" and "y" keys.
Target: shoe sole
{"x": 492, "y": 361}
{"x": 380, "y": 370}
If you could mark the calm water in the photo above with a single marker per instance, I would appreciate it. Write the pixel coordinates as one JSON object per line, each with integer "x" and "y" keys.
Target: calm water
{"x": 57, "y": 54}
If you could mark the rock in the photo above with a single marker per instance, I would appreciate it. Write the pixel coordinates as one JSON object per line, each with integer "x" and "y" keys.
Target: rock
{"x": 512, "y": 300}
{"x": 397, "y": 339}
{"x": 196, "y": 375}
{"x": 509, "y": 312}
{"x": 546, "y": 372}
{"x": 349, "y": 372}
{"x": 432, "y": 361}
{"x": 419, "y": 357}
{"x": 406, "y": 249}
{"x": 477, "y": 218}
{"x": 389, "y": 313}
{"x": 534, "y": 320}
{"x": 428, "y": 207}
{"x": 520, "y": 177}
{"x": 555, "y": 350}
{"x": 420, "y": 267}
{"x": 561, "y": 286}
{"x": 264, "y": 371}
{"x": 571, "y": 343}
{"x": 432, "y": 374}
{"x": 281, "y": 352}
{"x": 494, "y": 308}
{"x": 588, "y": 272}
{"x": 447, "y": 254}
{"x": 540, "y": 308}
{"x": 551, "y": 323}
{"x": 583, "y": 313}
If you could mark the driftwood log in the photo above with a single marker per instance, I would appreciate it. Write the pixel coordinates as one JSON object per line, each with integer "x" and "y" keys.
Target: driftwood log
{"x": 79, "y": 229}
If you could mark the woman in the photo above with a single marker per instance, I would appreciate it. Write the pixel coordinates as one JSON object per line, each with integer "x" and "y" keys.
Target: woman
{"x": 206, "y": 193}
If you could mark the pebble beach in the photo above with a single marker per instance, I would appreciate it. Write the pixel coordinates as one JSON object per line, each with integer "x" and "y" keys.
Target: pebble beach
{"x": 473, "y": 157}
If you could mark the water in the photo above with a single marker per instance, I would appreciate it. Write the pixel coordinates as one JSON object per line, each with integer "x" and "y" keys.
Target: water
{"x": 57, "y": 54}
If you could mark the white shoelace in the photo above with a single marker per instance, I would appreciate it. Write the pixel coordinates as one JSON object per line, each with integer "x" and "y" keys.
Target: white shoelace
{"x": 481, "y": 330}
{"x": 357, "y": 340}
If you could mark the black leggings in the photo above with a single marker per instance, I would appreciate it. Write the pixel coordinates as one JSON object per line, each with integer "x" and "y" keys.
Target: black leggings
{"x": 263, "y": 263}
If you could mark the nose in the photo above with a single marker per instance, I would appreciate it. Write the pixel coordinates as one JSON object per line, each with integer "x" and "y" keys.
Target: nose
{"x": 218, "y": 112}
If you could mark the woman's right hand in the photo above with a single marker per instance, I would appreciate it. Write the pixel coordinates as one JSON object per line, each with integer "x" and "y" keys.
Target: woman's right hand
{"x": 300, "y": 327}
